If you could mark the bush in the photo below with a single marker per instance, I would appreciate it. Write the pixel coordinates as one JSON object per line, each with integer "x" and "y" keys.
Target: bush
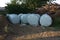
{"x": 16, "y": 8}
{"x": 13, "y": 8}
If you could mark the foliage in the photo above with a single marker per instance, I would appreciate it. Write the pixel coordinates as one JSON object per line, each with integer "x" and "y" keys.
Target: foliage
{"x": 56, "y": 23}
{"x": 16, "y": 8}
{"x": 13, "y": 8}
{"x": 37, "y": 3}
{"x": 27, "y": 7}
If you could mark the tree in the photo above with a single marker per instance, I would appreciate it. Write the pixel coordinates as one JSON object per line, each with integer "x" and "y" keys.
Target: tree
{"x": 26, "y": 6}
{"x": 13, "y": 8}
{"x": 38, "y": 3}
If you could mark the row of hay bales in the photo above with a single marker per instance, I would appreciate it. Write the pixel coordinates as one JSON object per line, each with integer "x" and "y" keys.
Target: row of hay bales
{"x": 28, "y": 19}
{"x": 31, "y": 19}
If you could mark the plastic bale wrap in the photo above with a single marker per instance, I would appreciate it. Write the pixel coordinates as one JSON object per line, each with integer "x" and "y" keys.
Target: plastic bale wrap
{"x": 14, "y": 18}
{"x": 45, "y": 20}
{"x": 33, "y": 19}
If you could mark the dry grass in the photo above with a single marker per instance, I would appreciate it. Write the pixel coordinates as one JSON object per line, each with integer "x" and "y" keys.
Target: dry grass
{"x": 39, "y": 35}
{"x": 27, "y": 32}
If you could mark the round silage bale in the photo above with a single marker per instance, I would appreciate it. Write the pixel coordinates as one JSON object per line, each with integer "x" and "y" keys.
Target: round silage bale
{"x": 20, "y": 17}
{"x": 14, "y": 18}
{"x": 33, "y": 19}
{"x": 45, "y": 20}
{"x": 24, "y": 18}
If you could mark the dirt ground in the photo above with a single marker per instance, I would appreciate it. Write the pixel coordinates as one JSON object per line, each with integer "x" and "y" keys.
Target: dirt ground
{"x": 28, "y": 32}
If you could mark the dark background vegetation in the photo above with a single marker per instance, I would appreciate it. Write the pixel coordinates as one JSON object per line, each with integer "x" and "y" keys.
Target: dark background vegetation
{"x": 28, "y": 7}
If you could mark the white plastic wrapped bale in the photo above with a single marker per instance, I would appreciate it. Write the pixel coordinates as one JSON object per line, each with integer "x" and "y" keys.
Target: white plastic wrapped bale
{"x": 20, "y": 16}
{"x": 45, "y": 20}
{"x": 14, "y": 18}
{"x": 7, "y": 16}
{"x": 34, "y": 14}
{"x": 37, "y": 15}
{"x": 33, "y": 20}
{"x": 39, "y": 18}
{"x": 24, "y": 18}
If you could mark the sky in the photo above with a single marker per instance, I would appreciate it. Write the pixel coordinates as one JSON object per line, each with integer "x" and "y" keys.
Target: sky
{"x": 3, "y": 2}
{"x": 57, "y": 1}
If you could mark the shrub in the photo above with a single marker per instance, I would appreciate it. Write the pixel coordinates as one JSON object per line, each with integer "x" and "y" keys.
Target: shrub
{"x": 13, "y": 8}
{"x": 16, "y": 8}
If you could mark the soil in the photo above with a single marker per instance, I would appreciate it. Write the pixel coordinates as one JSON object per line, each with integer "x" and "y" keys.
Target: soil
{"x": 28, "y": 32}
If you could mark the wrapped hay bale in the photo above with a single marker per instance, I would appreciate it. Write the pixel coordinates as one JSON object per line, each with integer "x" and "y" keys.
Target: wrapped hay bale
{"x": 33, "y": 19}
{"x": 20, "y": 17}
{"x": 24, "y": 18}
{"x": 14, "y": 18}
{"x": 45, "y": 20}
